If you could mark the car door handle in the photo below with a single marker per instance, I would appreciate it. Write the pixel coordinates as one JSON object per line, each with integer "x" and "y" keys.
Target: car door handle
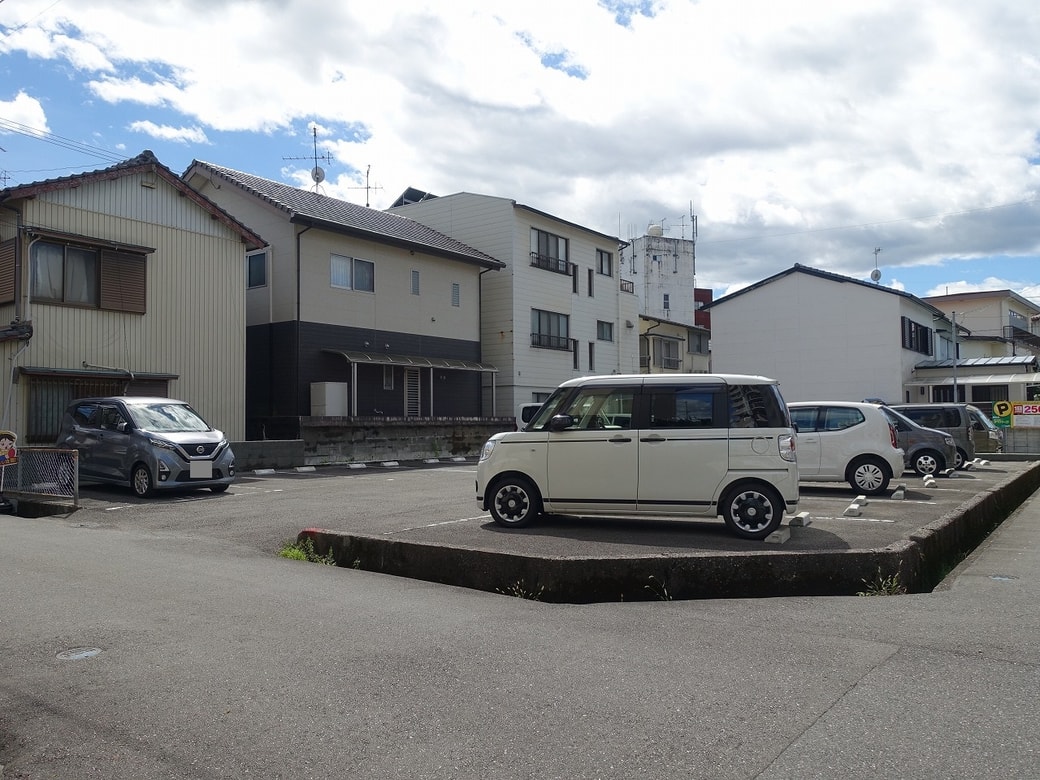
{"x": 654, "y": 440}
{"x": 619, "y": 439}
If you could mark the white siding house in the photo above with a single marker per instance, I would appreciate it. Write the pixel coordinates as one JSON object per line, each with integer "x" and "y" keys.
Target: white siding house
{"x": 828, "y": 337}
{"x": 353, "y": 312}
{"x": 122, "y": 280}
{"x": 559, "y": 310}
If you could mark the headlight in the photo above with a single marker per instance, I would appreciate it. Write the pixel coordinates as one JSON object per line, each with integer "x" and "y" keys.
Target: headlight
{"x": 489, "y": 447}
{"x": 166, "y": 445}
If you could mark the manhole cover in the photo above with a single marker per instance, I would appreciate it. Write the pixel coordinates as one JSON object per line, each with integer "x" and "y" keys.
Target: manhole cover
{"x": 78, "y": 653}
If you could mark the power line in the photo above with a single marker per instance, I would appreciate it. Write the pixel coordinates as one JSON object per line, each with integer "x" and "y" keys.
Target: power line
{"x": 11, "y": 126}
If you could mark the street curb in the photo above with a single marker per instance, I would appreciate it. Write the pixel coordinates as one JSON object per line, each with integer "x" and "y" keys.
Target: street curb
{"x": 917, "y": 563}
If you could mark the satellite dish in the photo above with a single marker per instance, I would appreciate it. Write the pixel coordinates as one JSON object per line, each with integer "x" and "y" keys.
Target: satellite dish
{"x": 318, "y": 174}
{"x": 875, "y": 275}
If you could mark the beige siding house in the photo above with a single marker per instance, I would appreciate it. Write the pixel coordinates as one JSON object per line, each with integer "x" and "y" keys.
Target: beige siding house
{"x": 558, "y": 311}
{"x": 123, "y": 280}
{"x": 353, "y": 312}
{"x": 669, "y": 347}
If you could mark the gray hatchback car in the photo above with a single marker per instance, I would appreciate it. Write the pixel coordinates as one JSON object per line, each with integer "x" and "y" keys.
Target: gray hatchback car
{"x": 148, "y": 444}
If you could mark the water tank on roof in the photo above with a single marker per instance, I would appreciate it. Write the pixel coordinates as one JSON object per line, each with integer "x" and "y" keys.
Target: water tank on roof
{"x": 655, "y": 230}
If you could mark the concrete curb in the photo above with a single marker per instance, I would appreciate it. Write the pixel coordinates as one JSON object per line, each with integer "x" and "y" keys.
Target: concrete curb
{"x": 918, "y": 563}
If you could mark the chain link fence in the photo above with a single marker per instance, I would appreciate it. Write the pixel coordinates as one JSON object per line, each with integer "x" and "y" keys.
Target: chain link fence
{"x": 43, "y": 473}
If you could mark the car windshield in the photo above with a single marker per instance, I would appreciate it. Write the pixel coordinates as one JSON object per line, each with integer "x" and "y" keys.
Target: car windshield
{"x": 167, "y": 418}
{"x": 982, "y": 419}
{"x": 895, "y": 418}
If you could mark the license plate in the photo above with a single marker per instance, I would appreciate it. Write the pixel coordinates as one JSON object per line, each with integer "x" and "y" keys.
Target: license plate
{"x": 201, "y": 469}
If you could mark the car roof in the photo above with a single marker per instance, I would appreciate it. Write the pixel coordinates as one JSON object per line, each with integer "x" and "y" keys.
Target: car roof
{"x": 130, "y": 400}
{"x": 634, "y": 380}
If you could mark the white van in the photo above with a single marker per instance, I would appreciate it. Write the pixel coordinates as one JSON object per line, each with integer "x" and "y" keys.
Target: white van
{"x": 649, "y": 445}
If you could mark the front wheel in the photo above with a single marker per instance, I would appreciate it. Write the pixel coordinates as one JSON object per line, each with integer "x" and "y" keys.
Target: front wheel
{"x": 752, "y": 511}
{"x": 141, "y": 481}
{"x": 962, "y": 459}
{"x": 218, "y": 488}
{"x": 869, "y": 476}
{"x": 928, "y": 462}
{"x": 514, "y": 502}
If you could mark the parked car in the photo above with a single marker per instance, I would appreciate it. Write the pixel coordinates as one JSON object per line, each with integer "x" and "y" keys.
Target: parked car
{"x": 846, "y": 441}
{"x": 147, "y": 444}
{"x": 925, "y": 450}
{"x": 648, "y": 445}
{"x": 986, "y": 435}
{"x": 955, "y": 419}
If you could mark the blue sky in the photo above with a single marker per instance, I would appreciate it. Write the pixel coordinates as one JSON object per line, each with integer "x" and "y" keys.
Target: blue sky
{"x": 796, "y": 131}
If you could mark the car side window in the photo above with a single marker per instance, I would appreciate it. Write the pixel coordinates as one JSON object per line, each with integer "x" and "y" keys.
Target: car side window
{"x": 599, "y": 408}
{"x": 839, "y": 418}
{"x": 682, "y": 407}
{"x": 83, "y": 414}
{"x": 111, "y": 418}
{"x": 804, "y": 419}
{"x": 756, "y": 406}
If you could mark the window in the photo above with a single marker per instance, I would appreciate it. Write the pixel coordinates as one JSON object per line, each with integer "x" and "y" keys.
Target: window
{"x": 550, "y": 330}
{"x": 415, "y": 282}
{"x": 683, "y": 407}
{"x": 666, "y": 353}
{"x": 350, "y": 273}
{"x": 574, "y": 279}
{"x": 916, "y": 336}
{"x": 667, "y": 305}
{"x": 604, "y": 263}
{"x": 605, "y": 331}
{"x": 257, "y": 269}
{"x": 456, "y": 294}
{"x": 696, "y": 342}
{"x": 388, "y": 377}
{"x": 592, "y": 276}
{"x": 549, "y": 251}
{"x": 836, "y": 418}
{"x": 598, "y": 408}
{"x": 82, "y": 275}
{"x": 592, "y": 356}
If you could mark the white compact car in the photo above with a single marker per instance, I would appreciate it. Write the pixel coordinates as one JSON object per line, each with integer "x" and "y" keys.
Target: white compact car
{"x": 846, "y": 441}
{"x": 648, "y": 445}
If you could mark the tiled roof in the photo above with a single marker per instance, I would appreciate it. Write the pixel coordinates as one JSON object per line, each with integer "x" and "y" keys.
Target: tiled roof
{"x": 306, "y": 206}
{"x": 145, "y": 161}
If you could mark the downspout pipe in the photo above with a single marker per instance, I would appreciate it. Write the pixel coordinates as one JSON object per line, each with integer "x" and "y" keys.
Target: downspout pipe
{"x": 299, "y": 321}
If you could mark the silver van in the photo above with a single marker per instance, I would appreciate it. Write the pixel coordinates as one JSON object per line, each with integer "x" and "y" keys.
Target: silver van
{"x": 148, "y": 444}
{"x": 648, "y": 445}
{"x": 927, "y": 450}
{"x": 955, "y": 419}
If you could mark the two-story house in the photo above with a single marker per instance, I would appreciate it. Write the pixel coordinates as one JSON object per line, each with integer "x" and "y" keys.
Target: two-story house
{"x": 120, "y": 281}
{"x": 825, "y": 336}
{"x": 558, "y": 311}
{"x": 351, "y": 311}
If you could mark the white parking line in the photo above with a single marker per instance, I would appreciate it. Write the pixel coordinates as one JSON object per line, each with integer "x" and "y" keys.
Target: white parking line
{"x": 434, "y": 525}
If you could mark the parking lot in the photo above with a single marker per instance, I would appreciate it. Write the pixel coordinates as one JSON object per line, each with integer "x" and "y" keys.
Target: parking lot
{"x": 433, "y": 503}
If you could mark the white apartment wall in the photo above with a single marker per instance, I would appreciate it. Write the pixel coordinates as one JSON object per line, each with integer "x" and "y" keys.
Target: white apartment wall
{"x": 821, "y": 339}
{"x": 499, "y": 228}
{"x": 675, "y": 274}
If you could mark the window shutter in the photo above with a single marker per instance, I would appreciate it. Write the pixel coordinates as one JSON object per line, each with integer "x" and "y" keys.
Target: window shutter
{"x": 123, "y": 282}
{"x": 7, "y": 271}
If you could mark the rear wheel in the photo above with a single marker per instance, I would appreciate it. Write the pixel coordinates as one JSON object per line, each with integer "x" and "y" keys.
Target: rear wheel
{"x": 513, "y": 501}
{"x": 928, "y": 462}
{"x": 962, "y": 459}
{"x": 751, "y": 510}
{"x": 141, "y": 481}
{"x": 868, "y": 475}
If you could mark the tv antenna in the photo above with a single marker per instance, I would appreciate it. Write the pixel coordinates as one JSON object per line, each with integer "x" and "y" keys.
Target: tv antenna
{"x": 875, "y": 275}
{"x": 368, "y": 187}
{"x": 317, "y": 172}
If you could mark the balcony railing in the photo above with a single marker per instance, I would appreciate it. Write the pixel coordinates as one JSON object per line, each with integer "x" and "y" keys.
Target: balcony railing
{"x": 627, "y": 285}
{"x": 554, "y": 264}
{"x": 545, "y": 341}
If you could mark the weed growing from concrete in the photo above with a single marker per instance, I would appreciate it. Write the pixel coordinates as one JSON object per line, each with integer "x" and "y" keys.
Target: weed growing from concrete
{"x": 658, "y": 589}
{"x": 303, "y": 550}
{"x": 883, "y": 586}
{"x": 521, "y": 591}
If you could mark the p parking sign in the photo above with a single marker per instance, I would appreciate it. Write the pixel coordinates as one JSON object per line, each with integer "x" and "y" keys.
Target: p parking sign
{"x": 1002, "y": 411}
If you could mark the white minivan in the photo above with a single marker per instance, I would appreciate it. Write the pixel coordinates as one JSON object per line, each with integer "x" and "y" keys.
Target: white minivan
{"x": 649, "y": 445}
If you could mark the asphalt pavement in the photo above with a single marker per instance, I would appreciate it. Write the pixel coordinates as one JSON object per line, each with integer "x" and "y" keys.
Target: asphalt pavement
{"x": 160, "y": 640}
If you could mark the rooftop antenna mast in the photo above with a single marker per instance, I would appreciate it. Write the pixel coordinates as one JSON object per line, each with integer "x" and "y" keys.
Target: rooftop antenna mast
{"x": 317, "y": 172}
{"x": 368, "y": 187}
{"x": 875, "y": 275}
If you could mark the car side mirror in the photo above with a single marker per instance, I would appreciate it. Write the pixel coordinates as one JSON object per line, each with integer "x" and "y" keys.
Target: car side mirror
{"x": 560, "y": 422}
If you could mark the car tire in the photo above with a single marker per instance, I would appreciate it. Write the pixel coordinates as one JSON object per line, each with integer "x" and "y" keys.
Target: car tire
{"x": 962, "y": 459}
{"x": 219, "y": 488}
{"x": 751, "y": 510}
{"x": 928, "y": 462}
{"x": 513, "y": 501}
{"x": 141, "y": 481}
{"x": 868, "y": 475}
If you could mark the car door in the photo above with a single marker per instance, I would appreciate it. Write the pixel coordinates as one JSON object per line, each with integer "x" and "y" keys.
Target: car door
{"x": 593, "y": 463}
{"x": 113, "y": 443}
{"x": 805, "y": 419}
{"x": 80, "y": 433}
{"x": 683, "y": 448}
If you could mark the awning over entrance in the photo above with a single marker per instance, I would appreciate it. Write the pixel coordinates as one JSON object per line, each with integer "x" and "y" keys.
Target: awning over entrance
{"x": 413, "y": 361}
{"x": 981, "y": 379}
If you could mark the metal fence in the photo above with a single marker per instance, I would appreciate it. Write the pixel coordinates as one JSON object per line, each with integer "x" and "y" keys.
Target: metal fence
{"x": 45, "y": 473}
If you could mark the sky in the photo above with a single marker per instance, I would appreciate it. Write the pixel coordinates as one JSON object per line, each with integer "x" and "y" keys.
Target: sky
{"x": 845, "y": 136}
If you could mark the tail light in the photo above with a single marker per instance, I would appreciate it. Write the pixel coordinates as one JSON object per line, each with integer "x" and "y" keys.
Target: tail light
{"x": 892, "y": 436}
{"x": 787, "y": 447}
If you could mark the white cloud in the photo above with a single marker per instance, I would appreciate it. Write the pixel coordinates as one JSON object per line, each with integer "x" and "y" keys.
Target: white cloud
{"x": 182, "y": 135}
{"x": 25, "y": 111}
